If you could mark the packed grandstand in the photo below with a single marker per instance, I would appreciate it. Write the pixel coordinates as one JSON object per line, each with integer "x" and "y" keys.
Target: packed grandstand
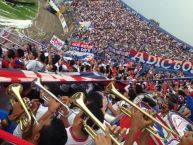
{"x": 114, "y": 71}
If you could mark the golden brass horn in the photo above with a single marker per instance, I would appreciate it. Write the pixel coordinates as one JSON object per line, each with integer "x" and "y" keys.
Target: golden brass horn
{"x": 78, "y": 100}
{"x": 25, "y": 121}
{"x": 112, "y": 90}
{"x": 37, "y": 82}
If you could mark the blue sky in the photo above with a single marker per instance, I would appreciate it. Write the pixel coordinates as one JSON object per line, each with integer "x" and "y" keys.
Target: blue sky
{"x": 175, "y": 16}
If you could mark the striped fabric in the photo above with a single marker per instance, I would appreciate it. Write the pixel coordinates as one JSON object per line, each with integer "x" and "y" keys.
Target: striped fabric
{"x": 17, "y": 76}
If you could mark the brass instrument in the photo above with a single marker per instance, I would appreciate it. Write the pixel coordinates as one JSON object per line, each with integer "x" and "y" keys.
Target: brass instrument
{"x": 78, "y": 100}
{"x": 112, "y": 90}
{"x": 37, "y": 82}
{"x": 25, "y": 120}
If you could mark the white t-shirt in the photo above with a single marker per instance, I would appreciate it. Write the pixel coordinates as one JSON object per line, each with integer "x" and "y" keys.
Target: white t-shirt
{"x": 41, "y": 111}
{"x": 173, "y": 142}
{"x": 72, "y": 140}
{"x": 138, "y": 99}
{"x": 34, "y": 65}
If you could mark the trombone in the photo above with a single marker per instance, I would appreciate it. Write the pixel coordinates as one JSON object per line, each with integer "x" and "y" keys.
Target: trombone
{"x": 37, "y": 82}
{"x": 78, "y": 100}
{"x": 112, "y": 90}
{"x": 25, "y": 120}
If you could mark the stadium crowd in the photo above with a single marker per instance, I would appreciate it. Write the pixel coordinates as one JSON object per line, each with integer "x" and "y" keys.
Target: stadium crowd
{"x": 116, "y": 25}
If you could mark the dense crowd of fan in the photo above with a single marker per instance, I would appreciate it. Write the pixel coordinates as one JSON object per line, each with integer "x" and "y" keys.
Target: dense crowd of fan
{"x": 117, "y": 25}
{"x": 113, "y": 25}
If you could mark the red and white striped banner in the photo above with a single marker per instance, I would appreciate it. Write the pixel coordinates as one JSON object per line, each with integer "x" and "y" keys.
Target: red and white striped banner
{"x": 14, "y": 76}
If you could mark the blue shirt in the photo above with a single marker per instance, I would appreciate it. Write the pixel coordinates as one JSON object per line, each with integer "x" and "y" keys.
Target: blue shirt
{"x": 189, "y": 104}
{"x": 10, "y": 128}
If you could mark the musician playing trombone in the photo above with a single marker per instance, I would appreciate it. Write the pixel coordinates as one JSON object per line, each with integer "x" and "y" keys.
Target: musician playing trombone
{"x": 138, "y": 123}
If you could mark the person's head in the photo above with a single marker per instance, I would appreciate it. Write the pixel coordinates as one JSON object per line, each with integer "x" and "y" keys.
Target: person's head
{"x": 132, "y": 95}
{"x": 167, "y": 106}
{"x": 55, "y": 59}
{"x": 186, "y": 90}
{"x": 49, "y": 132}
{"x": 42, "y": 58}
{"x": 72, "y": 62}
{"x": 187, "y": 139}
{"x": 181, "y": 93}
{"x": 10, "y": 54}
{"x": 81, "y": 117}
{"x": 94, "y": 97}
{"x": 138, "y": 89}
{"x": 1, "y": 51}
{"x": 173, "y": 98}
{"x": 33, "y": 55}
{"x": 20, "y": 53}
{"x": 149, "y": 101}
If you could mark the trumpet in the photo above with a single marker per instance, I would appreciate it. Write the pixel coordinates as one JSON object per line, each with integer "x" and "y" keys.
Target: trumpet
{"x": 25, "y": 120}
{"x": 78, "y": 100}
{"x": 112, "y": 90}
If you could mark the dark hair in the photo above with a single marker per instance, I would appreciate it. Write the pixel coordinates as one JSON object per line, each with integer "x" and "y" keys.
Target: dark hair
{"x": 138, "y": 89}
{"x": 1, "y": 51}
{"x": 149, "y": 101}
{"x": 102, "y": 69}
{"x": 87, "y": 67}
{"x": 82, "y": 68}
{"x": 132, "y": 95}
{"x": 54, "y": 134}
{"x": 173, "y": 98}
{"x": 20, "y": 53}
{"x": 180, "y": 92}
{"x": 10, "y": 53}
{"x": 95, "y": 98}
{"x": 171, "y": 105}
{"x": 35, "y": 54}
{"x": 72, "y": 62}
{"x": 42, "y": 58}
{"x": 55, "y": 59}
{"x": 97, "y": 112}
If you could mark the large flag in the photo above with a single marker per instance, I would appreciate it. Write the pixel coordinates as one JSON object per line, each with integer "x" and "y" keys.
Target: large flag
{"x": 18, "y": 76}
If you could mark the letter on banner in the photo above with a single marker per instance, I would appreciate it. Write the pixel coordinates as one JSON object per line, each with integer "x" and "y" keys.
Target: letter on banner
{"x": 151, "y": 59}
{"x": 166, "y": 63}
{"x": 158, "y": 61}
{"x": 138, "y": 57}
{"x": 186, "y": 63}
{"x": 177, "y": 64}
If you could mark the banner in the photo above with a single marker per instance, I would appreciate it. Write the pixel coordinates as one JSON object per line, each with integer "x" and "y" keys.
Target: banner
{"x": 56, "y": 42}
{"x": 117, "y": 51}
{"x": 82, "y": 47}
{"x": 57, "y": 6}
{"x": 14, "y": 76}
{"x": 143, "y": 57}
{"x": 79, "y": 55}
{"x": 63, "y": 22}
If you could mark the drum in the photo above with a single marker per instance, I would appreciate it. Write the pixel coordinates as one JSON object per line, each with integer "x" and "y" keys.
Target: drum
{"x": 179, "y": 123}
